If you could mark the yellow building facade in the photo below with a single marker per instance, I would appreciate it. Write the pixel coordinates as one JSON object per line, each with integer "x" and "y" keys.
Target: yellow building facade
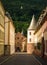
{"x": 2, "y": 19}
{"x": 9, "y": 36}
{"x": 7, "y": 33}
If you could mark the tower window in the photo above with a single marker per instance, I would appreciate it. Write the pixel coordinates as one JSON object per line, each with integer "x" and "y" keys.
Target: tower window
{"x": 30, "y": 39}
{"x": 30, "y": 33}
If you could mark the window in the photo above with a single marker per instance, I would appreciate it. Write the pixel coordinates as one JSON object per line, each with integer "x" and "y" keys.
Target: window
{"x": 30, "y": 33}
{"x": 17, "y": 37}
{"x": 30, "y": 39}
{"x": 22, "y": 37}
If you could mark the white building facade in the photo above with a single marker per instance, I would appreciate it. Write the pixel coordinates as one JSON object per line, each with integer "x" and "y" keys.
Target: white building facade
{"x": 30, "y": 36}
{"x": 37, "y": 33}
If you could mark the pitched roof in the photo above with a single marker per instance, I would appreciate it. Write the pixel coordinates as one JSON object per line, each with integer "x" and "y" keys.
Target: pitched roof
{"x": 22, "y": 32}
{"x": 41, "y": 20}
{"x": 33, "y": 23}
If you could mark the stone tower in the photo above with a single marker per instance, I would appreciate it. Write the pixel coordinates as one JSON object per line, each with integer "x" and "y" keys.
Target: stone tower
{"x": 30, "y": 35}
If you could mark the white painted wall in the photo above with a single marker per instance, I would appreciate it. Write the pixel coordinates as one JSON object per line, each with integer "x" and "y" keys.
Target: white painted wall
{"x": 30, "y": 36}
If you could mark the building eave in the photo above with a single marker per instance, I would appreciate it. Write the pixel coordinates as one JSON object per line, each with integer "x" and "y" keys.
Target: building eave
{"x": 42, "y": 22}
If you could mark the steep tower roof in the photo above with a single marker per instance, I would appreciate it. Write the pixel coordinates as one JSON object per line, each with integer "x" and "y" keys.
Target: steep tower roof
{"x": 22, "y": 32}
{"x": 33, "y": 23}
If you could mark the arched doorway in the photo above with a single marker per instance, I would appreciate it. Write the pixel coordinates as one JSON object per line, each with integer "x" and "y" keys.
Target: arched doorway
{"x": 18, "y": 49}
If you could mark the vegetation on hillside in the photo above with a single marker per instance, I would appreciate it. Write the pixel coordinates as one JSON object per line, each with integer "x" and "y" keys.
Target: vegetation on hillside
{"x": 21, "y": 11}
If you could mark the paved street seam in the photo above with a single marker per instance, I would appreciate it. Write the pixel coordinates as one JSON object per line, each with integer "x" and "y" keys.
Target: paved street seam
{"x": 37, "y": 60}
{"x": 6, "y": 59}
